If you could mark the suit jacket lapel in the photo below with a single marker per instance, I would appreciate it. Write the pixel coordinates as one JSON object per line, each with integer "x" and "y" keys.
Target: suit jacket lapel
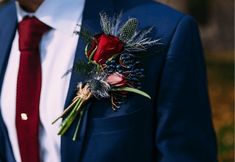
{"x": 72, "y": 150}
{"x": 8, "y": 26}
{"x": 91, "y": 21}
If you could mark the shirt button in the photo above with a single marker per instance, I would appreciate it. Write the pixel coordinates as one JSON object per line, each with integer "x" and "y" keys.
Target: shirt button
{"x": 24, "y": 116}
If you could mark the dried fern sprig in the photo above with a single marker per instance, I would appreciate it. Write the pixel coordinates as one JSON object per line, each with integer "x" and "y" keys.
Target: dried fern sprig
{"x": 105, "y": 23}
{"x": 141, "y": 41}
{"x": 141, "y": 45}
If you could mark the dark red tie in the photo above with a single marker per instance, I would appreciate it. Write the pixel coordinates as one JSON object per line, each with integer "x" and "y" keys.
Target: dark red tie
{"x": 29, "y": 82}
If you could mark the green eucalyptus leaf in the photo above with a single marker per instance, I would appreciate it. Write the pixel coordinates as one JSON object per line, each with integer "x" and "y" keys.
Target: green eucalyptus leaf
{"x": 133, "y": 90}
{"x": 83, "y": 68}
{"x": 86, "y": 35}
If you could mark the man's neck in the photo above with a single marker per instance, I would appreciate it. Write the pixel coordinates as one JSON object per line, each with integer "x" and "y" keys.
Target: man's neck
{"x": 30, "y": 6}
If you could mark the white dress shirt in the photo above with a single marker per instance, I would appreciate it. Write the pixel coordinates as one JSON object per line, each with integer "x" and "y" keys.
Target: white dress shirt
{"x": 57, "y": 51}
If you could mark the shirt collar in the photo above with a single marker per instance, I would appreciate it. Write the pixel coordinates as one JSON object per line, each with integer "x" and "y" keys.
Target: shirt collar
{"x": 62, "y": 15}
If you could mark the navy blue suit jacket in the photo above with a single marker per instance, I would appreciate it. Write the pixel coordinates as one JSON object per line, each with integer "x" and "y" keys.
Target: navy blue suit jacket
{"x": 175, "y": 126}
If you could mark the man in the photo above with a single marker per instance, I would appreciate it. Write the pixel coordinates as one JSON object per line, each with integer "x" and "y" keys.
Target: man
{"x": 175, "y": 126}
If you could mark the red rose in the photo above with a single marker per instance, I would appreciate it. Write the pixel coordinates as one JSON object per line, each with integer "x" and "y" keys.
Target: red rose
{"x": 107, "y": 46}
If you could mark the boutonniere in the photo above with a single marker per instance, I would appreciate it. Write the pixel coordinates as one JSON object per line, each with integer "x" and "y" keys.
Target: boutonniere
{"x": 113, "y": 68}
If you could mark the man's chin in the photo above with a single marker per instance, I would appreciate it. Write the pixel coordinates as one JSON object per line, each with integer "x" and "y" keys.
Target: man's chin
{"x": 30, "y": 6}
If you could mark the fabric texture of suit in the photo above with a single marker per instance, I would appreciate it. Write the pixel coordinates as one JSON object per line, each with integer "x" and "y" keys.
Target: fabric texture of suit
{"x": 175, "y": 126}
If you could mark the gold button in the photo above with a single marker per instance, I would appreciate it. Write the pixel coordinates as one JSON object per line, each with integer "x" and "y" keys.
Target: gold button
{"x": 24, "y": 116}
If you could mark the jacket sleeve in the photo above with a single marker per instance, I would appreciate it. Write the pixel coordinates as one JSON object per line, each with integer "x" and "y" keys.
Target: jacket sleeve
{"x": 184, "y": 130}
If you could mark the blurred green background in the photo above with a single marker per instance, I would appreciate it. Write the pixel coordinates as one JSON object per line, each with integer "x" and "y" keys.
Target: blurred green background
{"x": 216, "y": 22}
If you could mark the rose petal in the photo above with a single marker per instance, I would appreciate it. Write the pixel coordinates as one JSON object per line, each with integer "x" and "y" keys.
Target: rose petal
{"x": 116, "y": 79}
{"x": 107, "y": 46}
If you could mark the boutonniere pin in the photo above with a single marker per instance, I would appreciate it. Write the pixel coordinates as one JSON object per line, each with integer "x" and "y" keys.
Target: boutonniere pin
{"x": 113, "y": 68}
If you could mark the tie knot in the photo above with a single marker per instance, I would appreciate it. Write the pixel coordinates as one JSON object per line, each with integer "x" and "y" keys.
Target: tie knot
{"x": 31, "y": 31}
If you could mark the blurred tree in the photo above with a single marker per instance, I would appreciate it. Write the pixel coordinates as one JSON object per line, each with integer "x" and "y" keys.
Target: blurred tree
{"x": 3, "y": 1}
{"x": 200, "y": 10}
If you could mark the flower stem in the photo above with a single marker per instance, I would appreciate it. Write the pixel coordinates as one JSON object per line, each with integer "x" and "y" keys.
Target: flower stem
{"x": 65, "y": 111}
{"x": 69, "y": 120}
{"x": 78, "y": 125}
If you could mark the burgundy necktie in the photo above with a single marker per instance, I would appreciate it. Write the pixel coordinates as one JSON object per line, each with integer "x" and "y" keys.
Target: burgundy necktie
{"x": 28, "y": 90}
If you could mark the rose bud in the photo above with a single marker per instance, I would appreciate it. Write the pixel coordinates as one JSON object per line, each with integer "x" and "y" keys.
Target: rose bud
{"x": 116, "y": 79}
{"x": 107, "y": 46}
